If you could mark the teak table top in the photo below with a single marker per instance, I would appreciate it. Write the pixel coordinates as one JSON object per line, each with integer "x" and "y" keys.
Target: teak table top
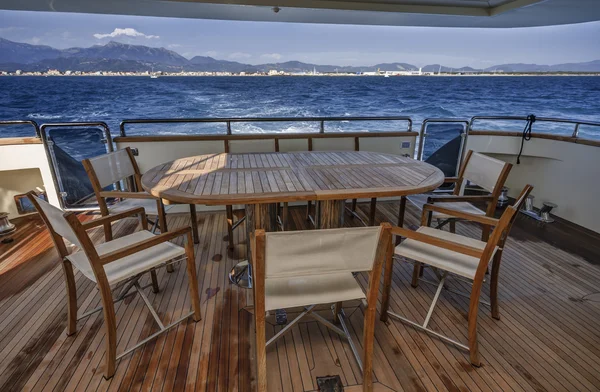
{"x": 253, "y": 178}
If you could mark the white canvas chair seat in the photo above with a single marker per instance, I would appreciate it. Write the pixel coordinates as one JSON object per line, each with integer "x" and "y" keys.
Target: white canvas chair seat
{"x": 107, "y": 264}
{"x": 289, "y": 292}
{"x": 447, "y": 260}
{"x": 129, "y": 266}
{"x": 420, "y": 200}
{"x": 127, "y": 204}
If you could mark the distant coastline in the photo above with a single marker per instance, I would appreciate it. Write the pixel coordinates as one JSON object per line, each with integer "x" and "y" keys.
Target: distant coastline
{"x": 55, "y": 73}
{"x": 118, "y": 59}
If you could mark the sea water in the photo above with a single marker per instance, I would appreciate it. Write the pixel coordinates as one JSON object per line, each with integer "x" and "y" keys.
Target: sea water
{"x": 113, "y": 99}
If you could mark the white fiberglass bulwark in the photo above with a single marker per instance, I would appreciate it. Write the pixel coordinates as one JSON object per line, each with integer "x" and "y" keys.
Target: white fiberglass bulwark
{"x": 442, "y": 13}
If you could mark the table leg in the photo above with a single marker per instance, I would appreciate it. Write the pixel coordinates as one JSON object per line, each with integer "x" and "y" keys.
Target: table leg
{"x": 330, "y": 214}
{"x": 258, "y": 216}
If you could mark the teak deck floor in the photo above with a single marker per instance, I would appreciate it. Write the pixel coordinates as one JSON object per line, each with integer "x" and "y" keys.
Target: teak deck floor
{"x": 547, "y": 339}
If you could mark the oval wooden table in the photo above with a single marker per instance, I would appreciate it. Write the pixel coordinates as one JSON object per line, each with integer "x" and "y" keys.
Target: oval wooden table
{"x": 262, "y": 180}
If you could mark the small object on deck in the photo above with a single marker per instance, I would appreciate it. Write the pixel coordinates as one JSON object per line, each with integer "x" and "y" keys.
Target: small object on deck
{"x": 330, "y": 384}
{"x": 6, "y": 227}
{"x": 543, "y": 215}
{"x": 241, "y": 275}
{"x": 281, "y": 317}
{"x": 503, "y": 198}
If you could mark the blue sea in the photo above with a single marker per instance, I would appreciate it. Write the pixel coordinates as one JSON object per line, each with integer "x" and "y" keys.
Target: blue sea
{"x": 112, "y": 99}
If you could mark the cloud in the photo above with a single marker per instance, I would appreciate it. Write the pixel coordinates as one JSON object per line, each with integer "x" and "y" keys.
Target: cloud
{"x": 271, "y": 56}
{"x": 35, "y": 40}
{"x": 129, "y": 32}
{"x": 239, "y": 56}
{"x": 211, "y": 53}
{"x": 173, "y": 46}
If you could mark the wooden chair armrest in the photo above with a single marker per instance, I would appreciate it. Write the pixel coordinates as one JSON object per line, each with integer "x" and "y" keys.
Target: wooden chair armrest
{"x": 114, "y": 217}
{"x": 435, "y": 241}
{"x": 453, "y": 198}
{"x": 484, "y": 220}
{"x": 127, "y": 195}
{"x": 145, "y": 244}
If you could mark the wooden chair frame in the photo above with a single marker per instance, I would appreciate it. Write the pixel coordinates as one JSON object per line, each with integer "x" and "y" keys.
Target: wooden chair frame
{"x": 98, "y": 262}
{"x": 366, "y": 364}
{"x": 501, "y": 229}
{"x": 491, "y": 199}
{"x": 134, "y": 185}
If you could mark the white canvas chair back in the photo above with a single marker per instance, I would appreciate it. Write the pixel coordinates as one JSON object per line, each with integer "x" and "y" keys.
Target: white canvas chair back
{"x": 112, "y": 167}
{"x": 316, "y": 252}
{"x": 60, "y": 226}
{"x": 482, "y": 170}
{"x": 58, "y": 222}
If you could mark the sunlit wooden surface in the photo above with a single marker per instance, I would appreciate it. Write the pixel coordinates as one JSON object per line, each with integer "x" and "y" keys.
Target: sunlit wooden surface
{"x": 547, "y": 339}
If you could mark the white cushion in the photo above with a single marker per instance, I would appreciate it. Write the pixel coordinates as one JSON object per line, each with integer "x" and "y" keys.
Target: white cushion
{"x": 289, "y": 292}
{"x": 131, "y": 265}
{"x": 127, "y": 204}
{"x": 420, "y": 200}
{"x": 454, "y": 262}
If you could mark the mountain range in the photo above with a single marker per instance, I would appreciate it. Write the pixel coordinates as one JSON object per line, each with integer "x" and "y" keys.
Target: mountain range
{"x": 119, "y": 57}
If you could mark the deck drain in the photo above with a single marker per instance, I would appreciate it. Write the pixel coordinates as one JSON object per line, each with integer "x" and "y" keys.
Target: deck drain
{"x": 330, "y": 384}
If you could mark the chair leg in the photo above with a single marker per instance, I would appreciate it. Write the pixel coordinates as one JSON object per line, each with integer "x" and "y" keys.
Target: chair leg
{"x": 452, "y": 226}
{"x": 417, "y": 273}
{"x": 353, "y": 206}
{"x": 372, "y": 211}
{"x": 162, "y": 219}
{"x": 193, "y": 279}
{"x": 494, "y": 285}
{"x": 155, "y": 288}
{"x": 387, "y": 285}
{"x": 336, "y": 311}
{"x": 108, "y": 236}
{"x": 308, "y": 208}
{"x": 261, "y": 351}
{"x": 401, "y": 213}
{"x": 473, "y": 345}
{"x": 71, "y": 298}
{"x": 368, "y": 344}
{"x": 110, "y": 323}
{"x": 229, "y": 210}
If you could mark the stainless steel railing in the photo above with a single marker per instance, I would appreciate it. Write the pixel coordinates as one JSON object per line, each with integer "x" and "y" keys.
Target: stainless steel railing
{"x": 52, "y": 162}
{"x": 23, "y": 122}
{"x": 427, "y": 121}
{"x": 230, "y": 120}
{"x": 576, "y": 123}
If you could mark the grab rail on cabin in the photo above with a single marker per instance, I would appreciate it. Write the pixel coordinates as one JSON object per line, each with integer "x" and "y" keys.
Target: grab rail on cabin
{"x": 229, "y": 120}
{"x": 34, "y": 124}
{"x": 576, "y": 123}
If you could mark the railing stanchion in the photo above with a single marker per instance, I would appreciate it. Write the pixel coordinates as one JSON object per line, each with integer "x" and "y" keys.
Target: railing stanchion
{"x": 322, "y": 126}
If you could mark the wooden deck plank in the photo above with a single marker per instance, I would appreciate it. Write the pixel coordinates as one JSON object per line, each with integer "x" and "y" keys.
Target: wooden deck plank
{"x": 546, "y": 339}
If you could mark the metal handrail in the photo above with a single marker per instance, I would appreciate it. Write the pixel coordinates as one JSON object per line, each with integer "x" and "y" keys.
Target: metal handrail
{"x": 229, "y": 120}
{"x": 53, "y": 165}
{"x": 437, "y": 120}
{"x": 576, "y": 123}
{"x": 35, "y": 125}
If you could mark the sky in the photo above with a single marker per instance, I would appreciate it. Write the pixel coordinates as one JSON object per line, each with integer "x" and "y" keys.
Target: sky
{"x": 264, "y": 42}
